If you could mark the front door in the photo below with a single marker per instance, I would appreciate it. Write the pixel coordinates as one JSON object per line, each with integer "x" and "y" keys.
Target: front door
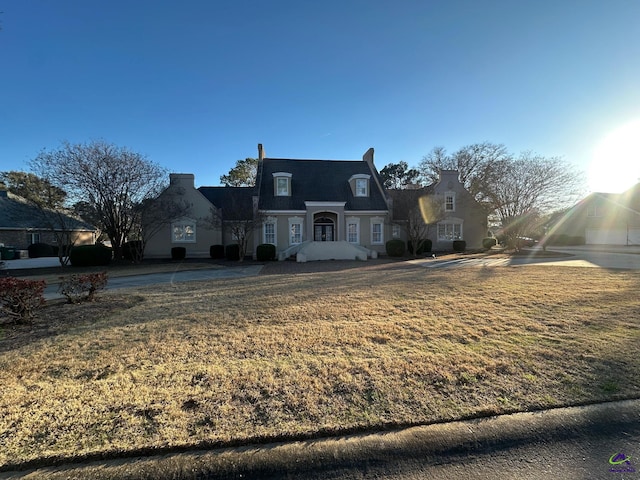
{"x": 323, "y": 233}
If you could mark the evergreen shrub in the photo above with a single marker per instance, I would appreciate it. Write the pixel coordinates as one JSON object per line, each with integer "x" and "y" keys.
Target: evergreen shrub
{"x": 232, "y": 252}
{"x": 488, "y": 242}
{"x": 395, "y": 248}
{"x": 216, "y": 251}
{"x": 266, "y": 252}
{"x": 38, "y": 250}
{"x": 459, "y": 246}
{"x": 90, "y": 255}
{"x": 178, "y": 253}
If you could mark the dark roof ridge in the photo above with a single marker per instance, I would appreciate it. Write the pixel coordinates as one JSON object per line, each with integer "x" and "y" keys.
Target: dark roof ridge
{"x": 313, "y": 160}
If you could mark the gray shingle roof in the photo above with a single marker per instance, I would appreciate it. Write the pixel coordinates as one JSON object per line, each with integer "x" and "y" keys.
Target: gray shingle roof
{"x": 236, "y": 202}
{"x": 317, "y": 181}
{"x": 17, "y": 214}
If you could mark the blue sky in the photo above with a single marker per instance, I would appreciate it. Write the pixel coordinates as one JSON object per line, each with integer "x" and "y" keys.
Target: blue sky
{"x": 196, "y": 85}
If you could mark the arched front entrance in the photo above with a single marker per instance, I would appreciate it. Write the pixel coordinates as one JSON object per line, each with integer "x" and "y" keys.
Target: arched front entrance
{"x": 324, "y": 227}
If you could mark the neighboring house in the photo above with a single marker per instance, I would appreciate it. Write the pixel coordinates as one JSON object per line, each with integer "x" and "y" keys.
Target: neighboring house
{"x": 603, "y": 219}
{"x": 22, "y": 224}
{"x": 315, "y": 209}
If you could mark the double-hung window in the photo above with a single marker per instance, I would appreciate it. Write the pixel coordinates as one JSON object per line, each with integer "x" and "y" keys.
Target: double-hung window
{"x": 295, "y": 230}
{"x": 377, "y": 235}
{"x": 353, "y": 230}
{"x": 360, "y": 184}
{"x": 450, "y": 202}
{"x": 362, "y": 187}
{"x": 270, "y": 232}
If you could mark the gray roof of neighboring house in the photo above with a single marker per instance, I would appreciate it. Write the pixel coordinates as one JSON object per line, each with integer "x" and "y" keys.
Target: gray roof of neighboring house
{"x": 17, "y": 214}
{"x": 317, "y": 181}
{"x": 236, "y": 202}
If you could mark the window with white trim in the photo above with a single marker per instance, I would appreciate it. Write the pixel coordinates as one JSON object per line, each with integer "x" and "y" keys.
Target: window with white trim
{"x": 295, "y": 230}
{"x": 183, "y": 232}
{"x": 269, "y": 232}
{"x": 362, "y": 187}
{"x": 450, "y": 202}
{"x": 33, "y": 238}
{"x": 395, "y": 231}
{"x": 353, "y": 230}
{"x": 449, "y": 231}
{"x": 377, "y": 229}
{"x": 282, "y": 185}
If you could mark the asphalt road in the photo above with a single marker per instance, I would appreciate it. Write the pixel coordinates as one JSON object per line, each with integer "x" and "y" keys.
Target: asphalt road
{"x": 136, "y": 281}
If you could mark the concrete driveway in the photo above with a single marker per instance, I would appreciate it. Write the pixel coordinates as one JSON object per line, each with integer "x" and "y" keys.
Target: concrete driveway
{"x": 594, "y": 256}
{"x": 591, "y": 256}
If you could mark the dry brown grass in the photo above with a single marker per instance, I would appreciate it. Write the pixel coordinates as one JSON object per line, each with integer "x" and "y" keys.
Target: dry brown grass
{"x": 294, "y": 355}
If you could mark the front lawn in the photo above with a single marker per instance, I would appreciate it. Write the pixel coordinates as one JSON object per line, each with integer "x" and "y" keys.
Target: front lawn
{"x": 279, "y": 356}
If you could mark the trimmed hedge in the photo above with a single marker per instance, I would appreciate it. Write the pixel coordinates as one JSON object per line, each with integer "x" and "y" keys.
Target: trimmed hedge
{"x": 232, "y": 252}
{"x": 216, "y": 251}
{"x": 90, "y": 255}
{"x": 424, "y": 246}
{"x": 459, "y": 246}
{"x": 395, "y": 248}
{"x": 266, "y": 252}
{"x": 564, "y": 240}
{"x": 489, "y": 242}
{"x": 38, "y": 250}
{"x": 178, "y": 253}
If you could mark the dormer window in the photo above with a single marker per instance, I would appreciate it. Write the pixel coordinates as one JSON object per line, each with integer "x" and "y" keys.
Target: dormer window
{"x": 282, "y": 184}
{"x": 360, "y": 185}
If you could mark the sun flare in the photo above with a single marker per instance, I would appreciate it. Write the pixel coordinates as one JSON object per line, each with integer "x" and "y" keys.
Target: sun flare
{"x": 616, "y": 160}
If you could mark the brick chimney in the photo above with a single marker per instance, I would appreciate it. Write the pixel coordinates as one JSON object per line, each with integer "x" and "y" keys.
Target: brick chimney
{"x": 260, "y": 152}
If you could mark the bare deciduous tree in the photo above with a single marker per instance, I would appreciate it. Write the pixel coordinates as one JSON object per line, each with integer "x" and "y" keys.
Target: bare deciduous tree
{"x": 416, "y": 212}
{"x": 112, "y": 181}
{"x": 238, "y": 217}
{"x": 529, "y": 186}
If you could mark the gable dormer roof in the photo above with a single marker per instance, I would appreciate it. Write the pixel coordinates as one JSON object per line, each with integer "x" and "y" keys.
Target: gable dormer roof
{"x": 318, "y": 181}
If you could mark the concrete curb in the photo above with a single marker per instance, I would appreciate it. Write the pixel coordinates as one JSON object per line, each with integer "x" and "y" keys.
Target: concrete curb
{"x": 326, "y": 458}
